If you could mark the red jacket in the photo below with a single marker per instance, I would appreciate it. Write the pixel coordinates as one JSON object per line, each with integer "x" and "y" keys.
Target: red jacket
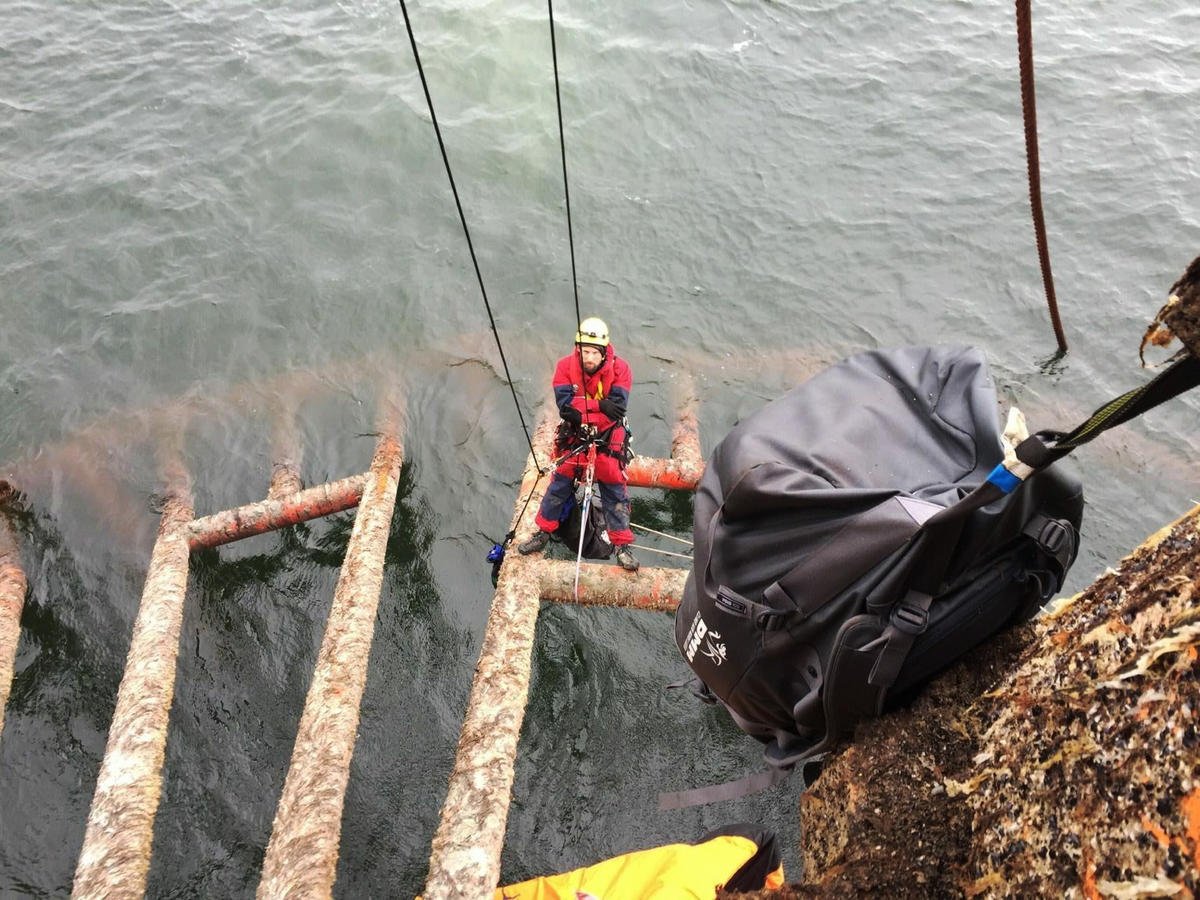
{"x": 573, "y": 387}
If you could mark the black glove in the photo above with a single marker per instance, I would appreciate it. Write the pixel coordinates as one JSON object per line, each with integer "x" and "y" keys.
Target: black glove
{"x": 612, "y": 409}
{"x": 571, "y": 416}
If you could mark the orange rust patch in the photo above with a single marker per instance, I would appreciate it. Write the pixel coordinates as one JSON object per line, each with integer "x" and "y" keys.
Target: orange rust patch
{"x": 1156, "y": 831}
{"x": 1089, "y": 879}
{"x": 1191, "y": 816}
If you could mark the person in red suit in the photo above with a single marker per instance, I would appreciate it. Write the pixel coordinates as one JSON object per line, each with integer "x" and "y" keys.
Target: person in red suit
{"x": 591, "y": 388}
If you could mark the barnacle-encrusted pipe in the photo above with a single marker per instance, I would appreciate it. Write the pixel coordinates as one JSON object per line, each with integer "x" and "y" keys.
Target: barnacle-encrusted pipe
{"x": 301, "y": 858}
{"x": 683, "y": 470}
{"x": 12, "y": 599}
{"x": 116, "y": 845}
{"x": 465, "y": 861}
{"x": 605, "y": 585}
{"x": 286, "y": 452}
{"x": 269, "y": 515}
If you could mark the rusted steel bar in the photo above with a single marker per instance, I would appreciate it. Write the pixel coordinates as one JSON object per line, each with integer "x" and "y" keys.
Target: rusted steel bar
{"x": 650, "y": 588}
{"x": 301, "y": 858}
{"x": 116, "y": 845}
{"x": 465, "y": 861}
{"x": 648, "y": 472}
{"x": 12, "y": 600}
{"x": 269, "y": 515}
{"x": 683, "y": 470}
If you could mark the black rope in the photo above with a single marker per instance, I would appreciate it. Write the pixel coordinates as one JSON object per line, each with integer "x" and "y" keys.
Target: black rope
{"x": 466, "y": 231}
{"x": 532, "y": 490}
{"x": 562, "y": 145}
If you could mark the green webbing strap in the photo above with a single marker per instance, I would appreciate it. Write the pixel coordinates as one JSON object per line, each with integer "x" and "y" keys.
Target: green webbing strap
{"x": 1181, "y": 376}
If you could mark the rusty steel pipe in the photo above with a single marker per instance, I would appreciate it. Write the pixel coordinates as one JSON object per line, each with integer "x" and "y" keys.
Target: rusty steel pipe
{"x": 654, "y": 589}
{"x": 683, "y": 470}
{"x": 12, "y": 599}
{"x": 465, "y": 859}
{"x": 301, "y": 858}
{"x": 648, "y": 472}
{"x": 116, "y": 845}
{"x": 271, "y": 514}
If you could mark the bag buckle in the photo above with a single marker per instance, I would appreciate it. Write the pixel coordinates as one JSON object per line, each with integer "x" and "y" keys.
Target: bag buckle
{"x": 769, "y": 620}
{"x": 910, "y": 617}
{"x": 1053, "y": 536}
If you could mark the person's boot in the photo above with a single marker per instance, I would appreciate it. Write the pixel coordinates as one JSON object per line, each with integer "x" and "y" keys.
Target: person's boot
{"x": 538, "y": 542}
{"x": 626, "y": 560}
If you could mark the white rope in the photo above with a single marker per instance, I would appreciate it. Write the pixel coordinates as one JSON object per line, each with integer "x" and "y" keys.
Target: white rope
{"x": 669, "y": 537}
{"x": 663, "y": 552}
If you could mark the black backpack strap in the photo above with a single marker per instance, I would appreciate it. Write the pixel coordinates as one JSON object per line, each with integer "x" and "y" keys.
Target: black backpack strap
{"x": 730, "y": 790}
{"x": 909, "y": 619}
{"x": 699, "y": 689}
{"x": 764, "y": 617}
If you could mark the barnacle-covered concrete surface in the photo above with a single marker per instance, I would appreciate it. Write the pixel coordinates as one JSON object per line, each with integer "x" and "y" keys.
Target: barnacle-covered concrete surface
{"x": 1063, "y": 759}
{"x": 1088, "y": 772}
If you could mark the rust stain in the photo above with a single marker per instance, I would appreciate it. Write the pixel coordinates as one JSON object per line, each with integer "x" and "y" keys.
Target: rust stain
{"x": 1191, "y": 816}
{"x": 1156, "y": 831}
{"x": 1090, "y": 891}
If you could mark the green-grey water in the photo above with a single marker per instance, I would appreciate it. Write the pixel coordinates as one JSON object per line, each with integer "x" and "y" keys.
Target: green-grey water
{"x": 210, "y": 211}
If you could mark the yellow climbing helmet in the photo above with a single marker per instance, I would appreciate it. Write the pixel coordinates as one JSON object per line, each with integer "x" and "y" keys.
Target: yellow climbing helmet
{"x": 592, "y": 331}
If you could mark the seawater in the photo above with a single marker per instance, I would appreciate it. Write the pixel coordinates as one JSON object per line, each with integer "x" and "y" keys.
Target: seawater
{"x": 210, "y": 211}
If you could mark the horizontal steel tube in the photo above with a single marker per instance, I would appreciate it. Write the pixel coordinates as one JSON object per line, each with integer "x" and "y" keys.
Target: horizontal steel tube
{"x": 601, "y": 585}
{"x": 270, "y": 515}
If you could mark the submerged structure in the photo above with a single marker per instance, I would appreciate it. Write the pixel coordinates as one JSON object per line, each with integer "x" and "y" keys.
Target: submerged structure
{"x": 302, "y": 854}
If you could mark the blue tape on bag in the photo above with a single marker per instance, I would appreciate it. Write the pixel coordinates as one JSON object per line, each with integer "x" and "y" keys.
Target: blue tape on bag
{"x": 1004, "y": 479}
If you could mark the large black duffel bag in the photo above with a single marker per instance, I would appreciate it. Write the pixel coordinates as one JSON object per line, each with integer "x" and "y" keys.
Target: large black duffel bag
{"x": 837, "y": 565}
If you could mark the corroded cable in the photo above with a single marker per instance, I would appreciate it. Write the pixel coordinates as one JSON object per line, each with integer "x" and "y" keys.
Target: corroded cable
{"x": 1029, "y": 107}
